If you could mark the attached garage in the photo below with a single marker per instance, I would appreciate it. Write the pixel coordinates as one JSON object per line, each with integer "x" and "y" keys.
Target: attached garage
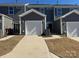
{"x": 73, "y": 29}
{"x": 68, "y": 24}
{"x": 32, "y": 22}
{"x": 33, "y": 27}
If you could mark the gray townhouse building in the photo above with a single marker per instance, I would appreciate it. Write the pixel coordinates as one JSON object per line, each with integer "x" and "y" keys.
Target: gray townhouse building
{"x": 39, "y": 17}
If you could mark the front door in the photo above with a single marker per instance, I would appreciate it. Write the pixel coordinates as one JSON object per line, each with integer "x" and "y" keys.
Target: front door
{"x": 16, "y": 28}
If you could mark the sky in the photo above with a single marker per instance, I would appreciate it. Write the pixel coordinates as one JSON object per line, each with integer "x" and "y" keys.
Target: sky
{"x": 41, "y": 1}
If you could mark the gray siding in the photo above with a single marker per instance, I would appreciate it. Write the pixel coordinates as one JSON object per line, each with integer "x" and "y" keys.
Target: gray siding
{"x": 1, "y": 26}
{"x": 17, "y": 10}
{"x": 0, "y": 22}
{"x": 71, "y": 18}
{"x": 57, "y": 27}
{"x": 65, "y": 10}
{"x": 31, "y": 16}
{"x": 8, "y": 23}
{"x": 4, "y": 10}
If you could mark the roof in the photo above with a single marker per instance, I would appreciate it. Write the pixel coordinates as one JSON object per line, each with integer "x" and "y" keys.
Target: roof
{"x": 73, "y": 11}
{"x": 5, "y": 4}
{"x": 32, "y": 10}
{"x": 54, "y": 5}
{"x": 5, "y": 16}
{"x": 41, "y": 5}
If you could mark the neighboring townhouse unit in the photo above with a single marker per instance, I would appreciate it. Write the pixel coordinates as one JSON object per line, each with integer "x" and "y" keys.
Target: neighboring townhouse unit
{"x": 5, "y": 23}
{"x": 13, "y": 10}
{"x": 68, "y": 24}
{"x": 45, "y": 15}
{"x": 52, "y": 12}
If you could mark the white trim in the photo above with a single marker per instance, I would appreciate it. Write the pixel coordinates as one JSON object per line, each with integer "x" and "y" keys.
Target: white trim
{"x": 20, "y": 24}
{"x": 25, "y": 28}
{"x": 45, "y": 23}
{"x": 34, "y": 21}
{"x": 67, "y": 28}
{"x": 73, "y": 11}
{"x": 32, "y": 10}
{"x": 3, "y": 26}
{"x": 61, "y": 26}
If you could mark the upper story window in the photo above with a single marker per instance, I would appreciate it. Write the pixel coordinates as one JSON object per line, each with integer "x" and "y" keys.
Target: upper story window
{"x": 58, "y": 11}
{"x": 42, "y": 10}
{"x": 65, "y": 10}
{"x": 73, "y": 9}
{"x": 11, "y": 10}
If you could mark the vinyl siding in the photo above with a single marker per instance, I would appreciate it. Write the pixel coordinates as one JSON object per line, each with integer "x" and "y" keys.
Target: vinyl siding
{"x": 1, "y": 25}
{"x": 8, "y": 23}
{"x": 71, "y": 18}
{"x": 30, "y": 17}
{"x": 57, "y": 27}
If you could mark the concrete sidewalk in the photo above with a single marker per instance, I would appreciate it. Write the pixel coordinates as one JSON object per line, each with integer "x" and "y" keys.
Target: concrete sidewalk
{"x": 29, "y": 47}
{"x": 53, "y": 55}
{"x": 7, "y": 37}
{"x": 52, "y": 37}
{"x": 74, "y": 38}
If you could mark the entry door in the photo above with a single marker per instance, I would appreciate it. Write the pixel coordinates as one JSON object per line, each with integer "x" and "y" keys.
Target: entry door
{"x": 33, "y": 27}
{"x": 73, "y": 29}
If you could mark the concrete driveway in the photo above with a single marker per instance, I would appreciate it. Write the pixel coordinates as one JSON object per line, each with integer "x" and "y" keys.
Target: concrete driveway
{"x": 29, "y": 47}
{"x": 74, "y": 38}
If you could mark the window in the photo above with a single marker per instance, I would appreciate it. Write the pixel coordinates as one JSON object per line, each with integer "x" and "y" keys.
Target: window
{"x": 4, "y": 10}
{"x": 73, "y": 9}
{"x": 42, "y": 10}
{"x": 65, "y": 10}
{"x": 11, "y": 10}
{"x": 58, "y": 11}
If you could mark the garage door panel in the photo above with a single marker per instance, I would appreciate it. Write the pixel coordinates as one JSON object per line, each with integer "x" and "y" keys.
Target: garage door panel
{"x": 73, "y": 29}
{"x": 33, "y": 27}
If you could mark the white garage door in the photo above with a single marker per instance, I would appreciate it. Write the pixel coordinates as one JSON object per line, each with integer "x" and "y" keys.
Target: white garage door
{"x": 73, "y": 29}
{"x": 33, "y": 27}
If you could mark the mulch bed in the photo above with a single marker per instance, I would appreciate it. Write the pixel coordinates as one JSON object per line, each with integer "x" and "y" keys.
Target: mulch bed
{"x": 64, "y": 47}
{"x": 8, "y": 45}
